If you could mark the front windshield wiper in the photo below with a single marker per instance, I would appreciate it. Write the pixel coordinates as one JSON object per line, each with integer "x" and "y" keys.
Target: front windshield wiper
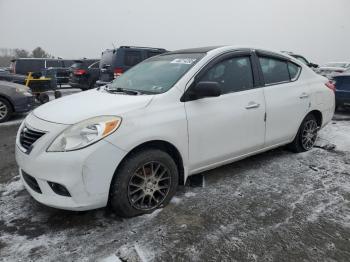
{"x": 122, "y": 90}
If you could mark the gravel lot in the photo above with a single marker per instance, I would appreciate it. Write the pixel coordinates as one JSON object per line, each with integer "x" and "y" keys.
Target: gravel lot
{"x": 277, "y": 206}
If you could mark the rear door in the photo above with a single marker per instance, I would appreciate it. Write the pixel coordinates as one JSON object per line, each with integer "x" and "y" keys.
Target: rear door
{"x": 287, "y": 98}
{"x": 231, "y": 125}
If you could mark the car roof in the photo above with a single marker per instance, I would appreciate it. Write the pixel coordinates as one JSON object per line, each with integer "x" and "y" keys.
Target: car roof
{"x": 205, "y": 49}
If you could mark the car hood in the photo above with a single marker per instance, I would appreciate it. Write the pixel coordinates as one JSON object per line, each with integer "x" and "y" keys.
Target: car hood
{"x": 10, "y": 85}
{"x": 78, "y": 107}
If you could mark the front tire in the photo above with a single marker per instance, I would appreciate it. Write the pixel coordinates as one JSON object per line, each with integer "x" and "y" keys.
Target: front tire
{"x": 306, "y": 136}
{"x": 5, "y": 110}
{"x": 144, "y": 182}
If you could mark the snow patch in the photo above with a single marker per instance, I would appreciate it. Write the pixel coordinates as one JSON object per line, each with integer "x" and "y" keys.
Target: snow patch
{"x": 190, "y": 194}
{"x": 111, "y": 258}
{"x": 176, "y": 200}
{"x": 14, "y": 186}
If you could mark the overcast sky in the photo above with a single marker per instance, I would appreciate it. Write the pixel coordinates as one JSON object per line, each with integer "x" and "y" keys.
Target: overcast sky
{"x": 319, "y": 29}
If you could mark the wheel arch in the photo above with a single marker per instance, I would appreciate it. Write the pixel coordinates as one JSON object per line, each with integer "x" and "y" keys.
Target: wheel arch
{"x": 318, "y": 115}
{"x": 9, "y": 101}
{"x": 165, "y": 146}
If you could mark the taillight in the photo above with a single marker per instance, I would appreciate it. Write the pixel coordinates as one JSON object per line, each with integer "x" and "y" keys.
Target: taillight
{"x": 118, "y": 72}
{"x": 79, "y": 72}
{"x": 330, "y": 85}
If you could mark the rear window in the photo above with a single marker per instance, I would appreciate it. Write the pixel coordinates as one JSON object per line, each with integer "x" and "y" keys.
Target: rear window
{"x": 77, "y": 65}
{"x": 132, "y": 58}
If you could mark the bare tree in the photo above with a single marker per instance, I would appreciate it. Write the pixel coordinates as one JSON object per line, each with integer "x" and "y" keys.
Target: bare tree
{"x": 40, "y": 53}
{"x": 21, "y": 53}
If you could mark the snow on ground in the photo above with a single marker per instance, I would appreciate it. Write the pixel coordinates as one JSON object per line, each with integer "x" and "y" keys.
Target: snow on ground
{"x": 277, "y": 206}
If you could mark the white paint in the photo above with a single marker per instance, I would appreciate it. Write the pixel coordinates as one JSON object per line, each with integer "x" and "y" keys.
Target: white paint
{"x": 208, "y": 132}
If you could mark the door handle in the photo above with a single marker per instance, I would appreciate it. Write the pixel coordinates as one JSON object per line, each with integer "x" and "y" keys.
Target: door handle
{"x": 252, "y": 105}
{"x": 303, "y": 96}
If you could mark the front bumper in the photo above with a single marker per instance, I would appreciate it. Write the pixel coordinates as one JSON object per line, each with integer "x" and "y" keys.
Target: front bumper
{"x": 24, "y": 104}
{"x": 85, "y": 173}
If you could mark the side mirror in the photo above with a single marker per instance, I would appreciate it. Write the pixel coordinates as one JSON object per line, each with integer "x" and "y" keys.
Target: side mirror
{"x": 201, "y": 90}
{"x": 206, "y": 89}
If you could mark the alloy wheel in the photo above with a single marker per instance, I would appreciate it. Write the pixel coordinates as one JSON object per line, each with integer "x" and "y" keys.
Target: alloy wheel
{"x": 309, "y": 134}
{"x": 149, "y": 186}
{"x": 3, "y": 110}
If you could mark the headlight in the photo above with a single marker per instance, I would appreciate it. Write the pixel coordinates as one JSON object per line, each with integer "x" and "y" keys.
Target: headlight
{"x": 85, "y": 133}
{"x": 23, "y": 90}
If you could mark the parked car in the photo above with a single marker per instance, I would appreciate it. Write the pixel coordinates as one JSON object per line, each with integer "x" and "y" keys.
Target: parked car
{"x": 114, "y": 62}
{"x": 342, "y": 92}
{"x": 14, "y": 98}
{"x": 5, "y": 75}
{"x": 23, "y": 66}
{"x": 131, "y": 143}
{"x": 301, "y": 59}
{"x": 84, "y": 73}
{"x": 334, "y": 68}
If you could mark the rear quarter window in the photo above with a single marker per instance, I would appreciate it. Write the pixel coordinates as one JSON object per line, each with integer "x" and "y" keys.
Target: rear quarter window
{"x": 294, "y": 71}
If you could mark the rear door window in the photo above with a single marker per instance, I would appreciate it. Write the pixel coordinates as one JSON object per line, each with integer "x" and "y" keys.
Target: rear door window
{"x": 132, "y": 58}
{"x": 275, "y": 71}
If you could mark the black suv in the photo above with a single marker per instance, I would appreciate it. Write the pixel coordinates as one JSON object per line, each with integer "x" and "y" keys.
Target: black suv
{"x": 114, "y": 62}
{"x": 84, "y": 73}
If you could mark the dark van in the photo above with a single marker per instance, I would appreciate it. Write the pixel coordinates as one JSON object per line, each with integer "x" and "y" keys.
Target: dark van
{"x": 114, "y": 62}
{"x": 23, "y": 66}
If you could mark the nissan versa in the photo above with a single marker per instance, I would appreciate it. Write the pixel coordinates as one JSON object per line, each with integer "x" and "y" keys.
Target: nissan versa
{"x": 130, "y": 143}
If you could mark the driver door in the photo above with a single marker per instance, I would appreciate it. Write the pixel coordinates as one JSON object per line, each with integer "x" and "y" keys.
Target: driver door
{"x": 231, "y": 125}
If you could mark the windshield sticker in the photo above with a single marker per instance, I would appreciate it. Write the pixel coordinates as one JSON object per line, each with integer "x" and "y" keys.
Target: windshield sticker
{"x": 185, "y": 61}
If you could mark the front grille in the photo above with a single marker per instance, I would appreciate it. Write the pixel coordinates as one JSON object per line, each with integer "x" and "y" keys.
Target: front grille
{"x": 28, "y": 137}
{"x": 31, "y": 182}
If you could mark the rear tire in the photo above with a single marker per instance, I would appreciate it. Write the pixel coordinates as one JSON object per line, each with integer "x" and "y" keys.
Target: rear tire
{"x": 5, "y": 110}
{"x": 144, "y": 182}
{"x": 306, "y": 136}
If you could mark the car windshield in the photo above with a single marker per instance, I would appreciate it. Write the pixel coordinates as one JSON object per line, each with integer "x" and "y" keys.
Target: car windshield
{"x": 157, "y": 74}
{"x": 344, "y": 65}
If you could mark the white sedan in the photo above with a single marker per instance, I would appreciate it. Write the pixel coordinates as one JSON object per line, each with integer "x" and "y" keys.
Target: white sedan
{"x": 130, "y": 143}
